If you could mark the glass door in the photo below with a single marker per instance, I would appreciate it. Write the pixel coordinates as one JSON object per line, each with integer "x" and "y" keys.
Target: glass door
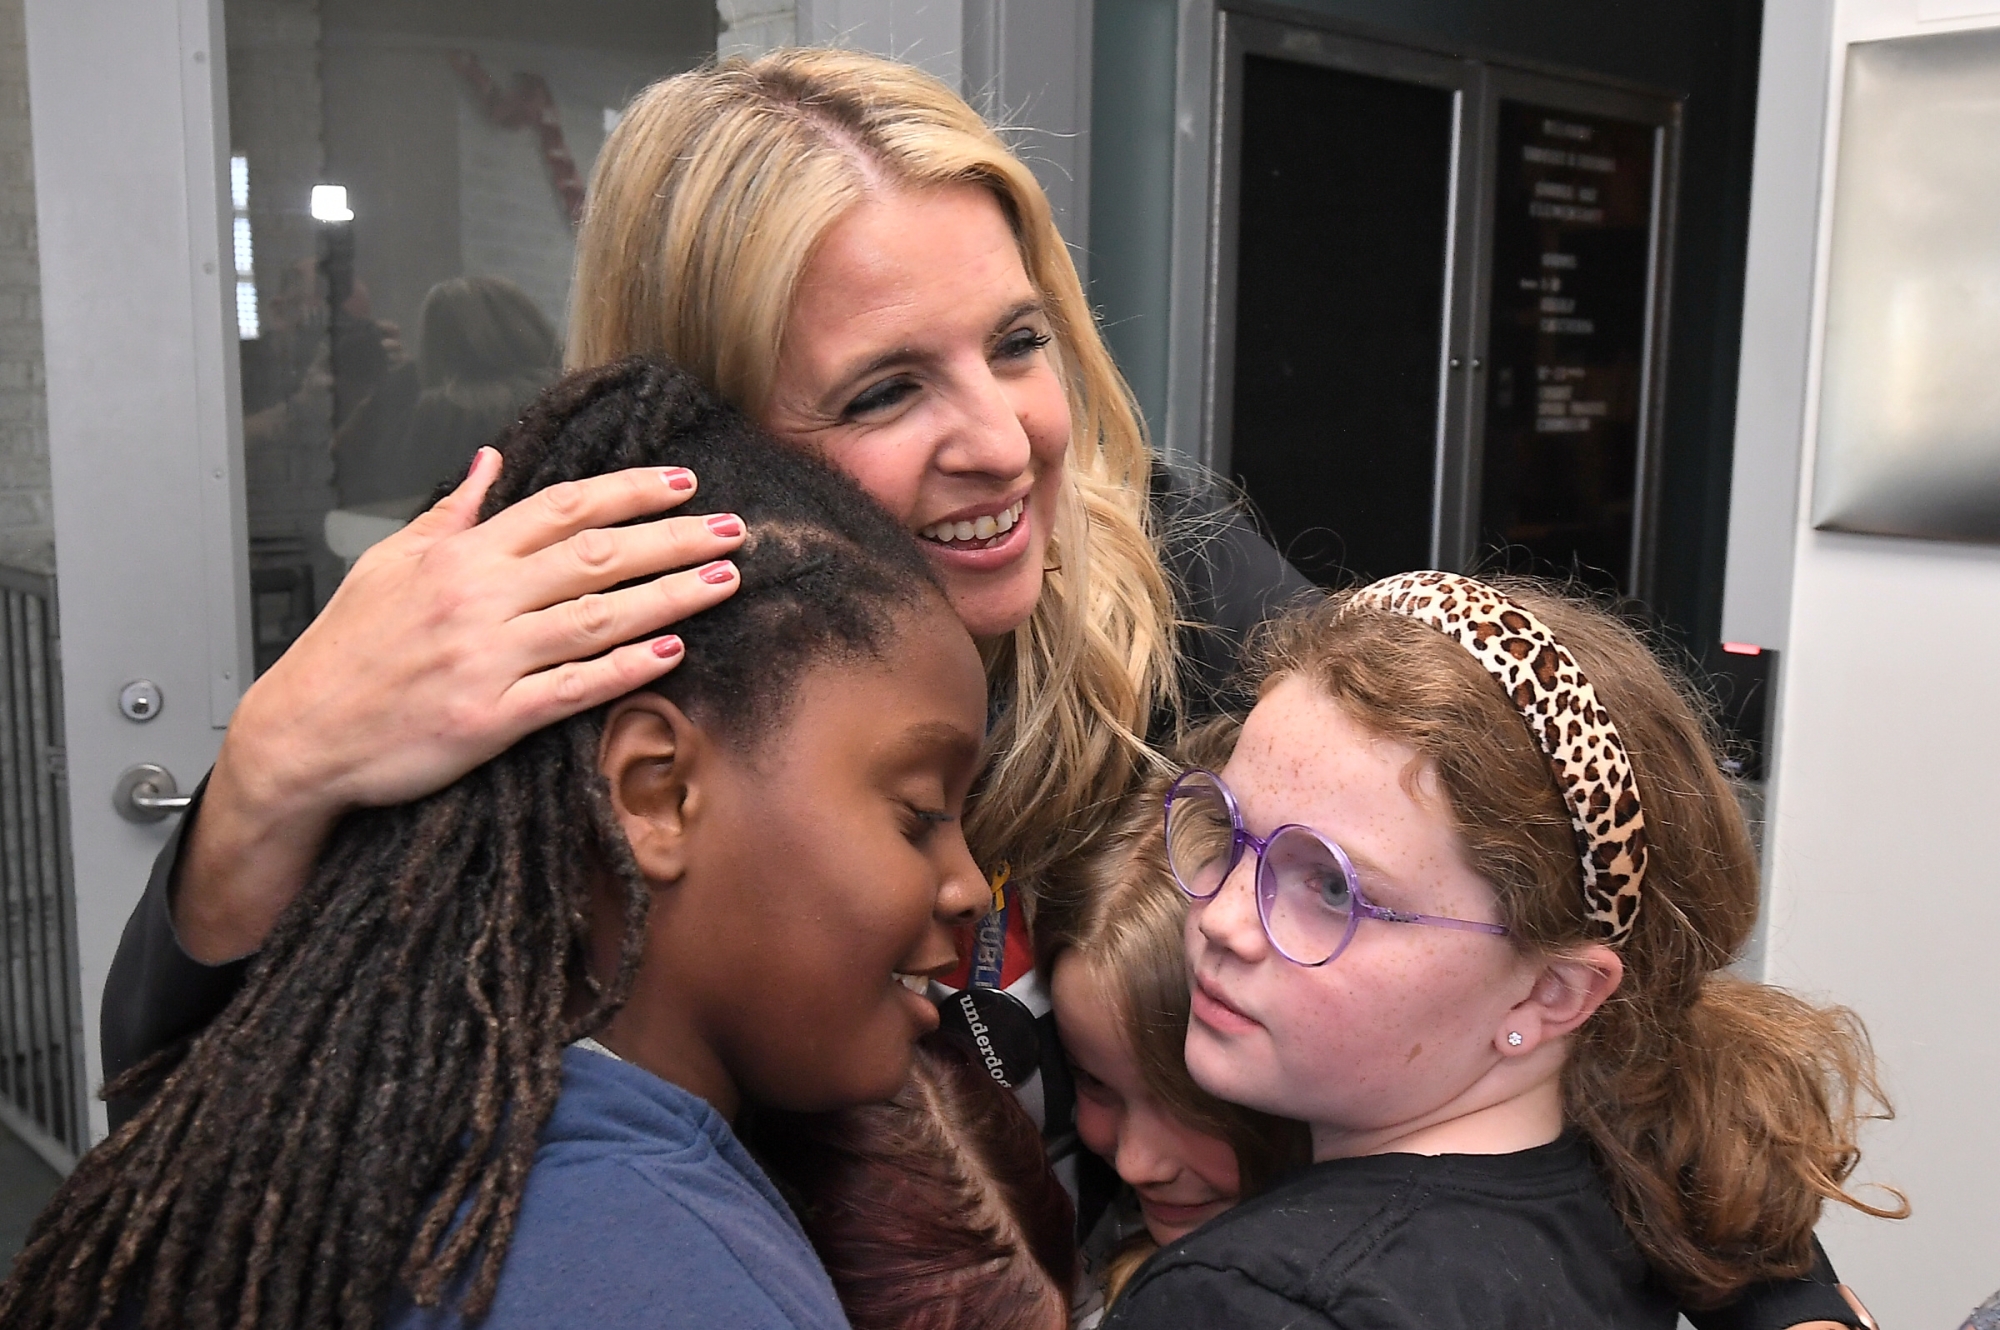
{"x": 1341, "y": 228}
{"x": 298, "y": 259}
{"x": 1576, "y": 245}
{"x": 405, "y": 182}
{"x": 1438, "y": 309}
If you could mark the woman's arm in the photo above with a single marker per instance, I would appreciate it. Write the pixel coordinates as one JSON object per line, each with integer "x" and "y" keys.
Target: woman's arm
{"x": 445, "y": 644}
{"x": 1815, "y": 1301}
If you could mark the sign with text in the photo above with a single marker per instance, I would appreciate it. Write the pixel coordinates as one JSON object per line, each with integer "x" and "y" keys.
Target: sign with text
{"x": 1572, "y": 237}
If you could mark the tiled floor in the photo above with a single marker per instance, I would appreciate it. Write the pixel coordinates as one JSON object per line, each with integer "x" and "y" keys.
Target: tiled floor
{"x": 26, "y": 1183}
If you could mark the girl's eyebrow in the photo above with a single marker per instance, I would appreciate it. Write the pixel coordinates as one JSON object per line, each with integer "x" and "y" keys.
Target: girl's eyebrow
{"x": 931, "y": 738}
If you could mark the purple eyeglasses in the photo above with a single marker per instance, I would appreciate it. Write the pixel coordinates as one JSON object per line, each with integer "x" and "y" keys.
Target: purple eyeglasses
{"x": 1308, "y": 897}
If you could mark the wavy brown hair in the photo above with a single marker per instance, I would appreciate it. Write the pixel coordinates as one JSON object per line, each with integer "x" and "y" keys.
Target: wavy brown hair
{"x": 935, "y": 1211}
{"x": 704, "y": 210}
{"x": 1118, "y": 909}
{"x": 1723, "y": 1113}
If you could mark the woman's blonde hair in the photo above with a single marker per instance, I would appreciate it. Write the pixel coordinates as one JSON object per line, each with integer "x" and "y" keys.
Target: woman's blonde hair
{"x": 1722, "y": 1112}
{"x": 704, "y": 210}
{"x": 1118, "y": 909}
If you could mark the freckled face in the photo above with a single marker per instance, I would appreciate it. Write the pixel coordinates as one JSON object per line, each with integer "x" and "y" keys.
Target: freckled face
{"x": 916, "y": 358}
{"x": 1391, "y": 1033}
{"x": 1183, "y": 1176}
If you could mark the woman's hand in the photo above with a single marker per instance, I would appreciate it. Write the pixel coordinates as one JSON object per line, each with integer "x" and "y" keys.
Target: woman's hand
{"x": 446, "y": 643}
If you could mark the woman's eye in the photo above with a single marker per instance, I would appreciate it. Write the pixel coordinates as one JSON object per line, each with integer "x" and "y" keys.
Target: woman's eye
{"x": 1021, "y": 343}
{"x": 879, "y": 397}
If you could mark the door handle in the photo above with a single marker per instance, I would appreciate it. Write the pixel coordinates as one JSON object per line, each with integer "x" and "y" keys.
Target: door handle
{"x": 147, "y": 793}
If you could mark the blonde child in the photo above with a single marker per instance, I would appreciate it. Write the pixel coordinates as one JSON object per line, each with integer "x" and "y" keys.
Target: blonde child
{"x": 1109, "y": 936}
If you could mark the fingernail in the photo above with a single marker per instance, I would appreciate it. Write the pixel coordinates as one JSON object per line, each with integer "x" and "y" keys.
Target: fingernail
{"x": 678, "y": 478}
{"x": 726, "y": 524}
{"x": 666, "y": 648}
{"x": 715, "y": 574}
{"x": 475, "y": 462}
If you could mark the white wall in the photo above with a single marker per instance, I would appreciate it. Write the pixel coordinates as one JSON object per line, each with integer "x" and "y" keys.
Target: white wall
{"x": 27, "y": 533}
{"x": 1884, "y": 892}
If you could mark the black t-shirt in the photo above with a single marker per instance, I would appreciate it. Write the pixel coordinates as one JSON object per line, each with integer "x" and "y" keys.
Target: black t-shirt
{"x": 1446, "y": 1242}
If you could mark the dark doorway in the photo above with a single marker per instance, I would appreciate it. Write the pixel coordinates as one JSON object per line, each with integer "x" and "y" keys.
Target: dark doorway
{"x": 1437, "y": 315}
{"x": 1343, "y": 221}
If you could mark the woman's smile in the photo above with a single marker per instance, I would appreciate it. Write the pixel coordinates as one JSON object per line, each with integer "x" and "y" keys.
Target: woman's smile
{"x": 916, "y": 360}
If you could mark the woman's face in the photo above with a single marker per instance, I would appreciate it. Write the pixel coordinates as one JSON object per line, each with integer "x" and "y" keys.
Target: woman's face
{"x": 820, "y": 876}
{"x": 1183, "y": 1176}
{"x": 1397, "y": 1033}
{"x": 917, "y": 359}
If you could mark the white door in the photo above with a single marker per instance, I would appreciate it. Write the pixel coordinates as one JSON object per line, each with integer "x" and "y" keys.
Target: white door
{"x": 298, "y": 259}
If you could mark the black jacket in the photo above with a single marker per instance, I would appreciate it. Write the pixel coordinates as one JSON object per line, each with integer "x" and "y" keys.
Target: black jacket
{"x": 1528, "y": 1241}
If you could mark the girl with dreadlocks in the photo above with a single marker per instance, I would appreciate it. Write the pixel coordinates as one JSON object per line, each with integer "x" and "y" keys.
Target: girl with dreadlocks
{"x": 485, "y": 1065}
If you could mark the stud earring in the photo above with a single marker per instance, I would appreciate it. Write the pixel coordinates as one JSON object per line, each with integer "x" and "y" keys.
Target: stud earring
{"x": 1513, "y": 1039}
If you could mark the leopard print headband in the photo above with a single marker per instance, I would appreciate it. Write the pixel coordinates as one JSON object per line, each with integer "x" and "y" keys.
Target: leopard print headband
{"x": 1562, "y": 711}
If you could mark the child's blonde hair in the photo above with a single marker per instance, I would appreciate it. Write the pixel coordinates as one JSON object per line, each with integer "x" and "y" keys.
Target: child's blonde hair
{"x": 1722, "y": 1112}
{"x": 1118, "y": 909}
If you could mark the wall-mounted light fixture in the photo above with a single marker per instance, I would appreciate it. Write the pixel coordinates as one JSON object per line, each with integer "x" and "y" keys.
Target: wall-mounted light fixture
{"x": 329, "y": 203}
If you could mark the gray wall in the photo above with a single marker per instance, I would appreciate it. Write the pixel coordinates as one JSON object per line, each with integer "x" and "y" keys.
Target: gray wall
{"x": 27, "y": 532}
{"x": 1881, "y": 879}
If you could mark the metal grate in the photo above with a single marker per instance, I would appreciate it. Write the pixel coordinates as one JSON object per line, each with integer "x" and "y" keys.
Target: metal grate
{"x": 42, "y": 1094}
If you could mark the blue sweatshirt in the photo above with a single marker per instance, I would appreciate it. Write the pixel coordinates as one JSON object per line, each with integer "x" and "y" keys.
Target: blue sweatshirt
{"x": 643, "y": 1209}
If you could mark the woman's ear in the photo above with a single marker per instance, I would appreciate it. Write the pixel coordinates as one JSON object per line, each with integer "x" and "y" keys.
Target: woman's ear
{"x": 651, "y": 756}
{"x": 1567, "y": 992}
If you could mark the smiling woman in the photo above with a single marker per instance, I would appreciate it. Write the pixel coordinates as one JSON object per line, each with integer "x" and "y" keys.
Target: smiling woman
{"x": 903, "y": 302}
{"x": 844, "y": 250}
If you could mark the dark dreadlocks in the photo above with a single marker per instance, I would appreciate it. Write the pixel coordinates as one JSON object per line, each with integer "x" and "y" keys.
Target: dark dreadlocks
{"x": 365, "y": 1112}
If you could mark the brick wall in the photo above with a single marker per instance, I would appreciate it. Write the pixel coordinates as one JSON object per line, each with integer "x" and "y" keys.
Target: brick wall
{"x": 26, "y": 528}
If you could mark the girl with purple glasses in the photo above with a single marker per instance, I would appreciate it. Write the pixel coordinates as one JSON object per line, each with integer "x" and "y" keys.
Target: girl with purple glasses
{"x": 1462, "y": 899}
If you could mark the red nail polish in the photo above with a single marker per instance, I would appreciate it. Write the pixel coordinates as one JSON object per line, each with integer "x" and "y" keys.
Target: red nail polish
{"x": 726, "y": 524}
{"x": 715, "y": 574}
{"x": 666, "y": 648}
{"x": 679, "y": 478}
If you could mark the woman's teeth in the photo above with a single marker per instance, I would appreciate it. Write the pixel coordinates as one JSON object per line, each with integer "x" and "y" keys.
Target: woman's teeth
{"x": 981, "y": 528}
{"x": 916, "y": 983}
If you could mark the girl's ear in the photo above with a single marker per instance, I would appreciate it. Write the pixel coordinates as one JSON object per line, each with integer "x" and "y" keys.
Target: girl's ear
{"x": 651, "y": 756}
{"x": 1567, "y": 992}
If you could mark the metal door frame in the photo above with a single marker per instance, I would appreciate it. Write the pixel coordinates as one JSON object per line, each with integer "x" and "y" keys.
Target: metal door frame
{"x": 131, "y": 129}
{"x": 1243, "y": 35}
{"x": 1562, "y": 93}
{"x": 1212, "y": 40}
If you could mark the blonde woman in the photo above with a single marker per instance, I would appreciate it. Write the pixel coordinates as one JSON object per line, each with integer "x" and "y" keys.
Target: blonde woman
{"x": 841, "y": 247}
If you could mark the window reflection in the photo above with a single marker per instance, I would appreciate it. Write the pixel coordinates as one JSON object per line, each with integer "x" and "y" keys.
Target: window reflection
{"x": 385, "y": 339}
